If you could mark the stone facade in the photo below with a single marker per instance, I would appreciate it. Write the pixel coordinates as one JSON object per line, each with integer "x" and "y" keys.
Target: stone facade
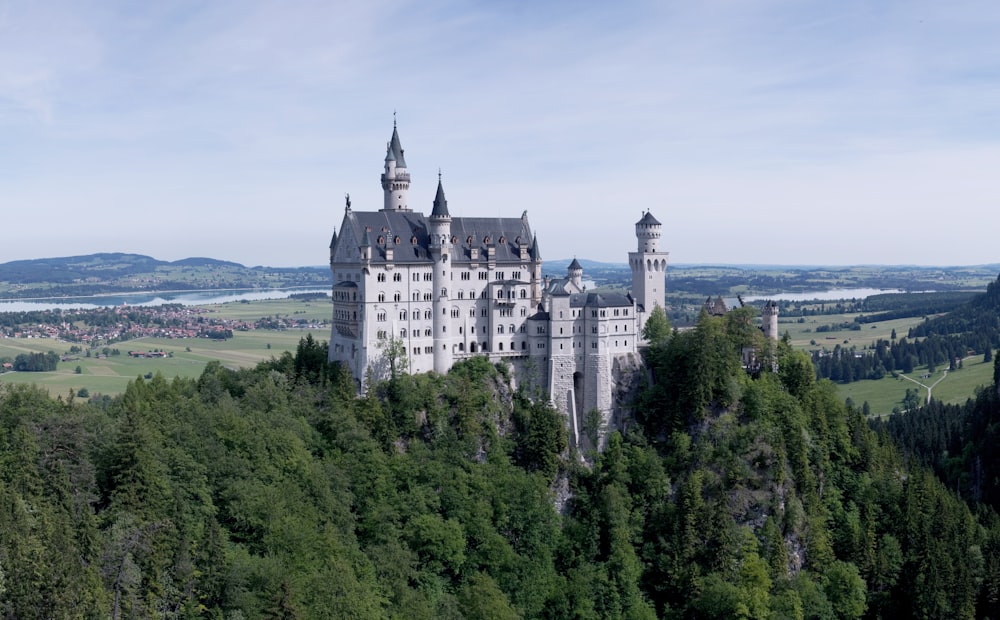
{"x": 438, "y": 289}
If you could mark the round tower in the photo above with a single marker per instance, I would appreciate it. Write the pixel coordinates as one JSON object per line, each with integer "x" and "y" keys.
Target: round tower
{"x": 440, "y": 251}
{"x": 769, "y": 320}
{"x": 647, "y": 232}
{"x": 395, "y": 177}
{"x": 649, "y": 267}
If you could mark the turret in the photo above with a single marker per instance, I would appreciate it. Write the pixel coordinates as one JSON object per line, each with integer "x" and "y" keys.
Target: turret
{"x": 769, "y": 320}
{"x": 440, "y": 251}
{"x": 575, "y": 274}
{"x": 395, "y": 178}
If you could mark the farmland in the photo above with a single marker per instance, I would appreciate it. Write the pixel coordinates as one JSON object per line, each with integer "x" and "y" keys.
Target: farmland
{"x": 186, "y": 357}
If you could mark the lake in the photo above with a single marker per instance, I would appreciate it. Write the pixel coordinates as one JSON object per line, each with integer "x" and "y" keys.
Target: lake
{"x": 831, "y": 295}
{"x": 158, "y": 298}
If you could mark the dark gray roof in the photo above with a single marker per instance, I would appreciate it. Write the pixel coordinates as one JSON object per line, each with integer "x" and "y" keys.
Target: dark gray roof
{"x": 381, "y": 228}
{"x": 440, "y": 203}
{"x": 535, "y": 252}
{"x": 557, "y": 287}
{"x": 575, "y": 265}
{"x": 599, "y": 300}
{"x": 648, "y": 219}
{"x": 541, "y": 315}
{"x": 504, "y": 233}
{"x": 345, "y": 284}
{"x": 396, "y": 149}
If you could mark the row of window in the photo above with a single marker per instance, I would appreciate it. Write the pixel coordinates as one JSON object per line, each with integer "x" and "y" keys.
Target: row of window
{"x": 427, "y": 276}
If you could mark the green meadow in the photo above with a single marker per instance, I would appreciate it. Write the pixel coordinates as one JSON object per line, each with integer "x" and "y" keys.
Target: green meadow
{"x": 188, "y": 356}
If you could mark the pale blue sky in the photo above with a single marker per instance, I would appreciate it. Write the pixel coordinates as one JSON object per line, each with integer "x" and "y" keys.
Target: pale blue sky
{"x": 758, "y": 132}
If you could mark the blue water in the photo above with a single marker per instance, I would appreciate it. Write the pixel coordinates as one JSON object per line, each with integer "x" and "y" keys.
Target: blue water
{"x": 832, "y": 295}
{"x": 185, "y": 298}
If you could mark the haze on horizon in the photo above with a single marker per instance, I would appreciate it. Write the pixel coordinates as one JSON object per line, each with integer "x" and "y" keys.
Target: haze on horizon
{"x": 771, "y": 132}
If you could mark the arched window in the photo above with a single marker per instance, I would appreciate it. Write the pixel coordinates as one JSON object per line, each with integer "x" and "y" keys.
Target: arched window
{"x": 413, "y": 240}
{"x": 499, "y": 329}
{"x": 396, "y": 296}
{"x": 469, "y": 240}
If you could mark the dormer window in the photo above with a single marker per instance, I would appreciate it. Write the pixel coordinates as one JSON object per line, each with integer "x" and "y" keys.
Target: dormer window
{"x": 469, "y": 240}
{"x": 413, "y": 240}
{"x": 396, "y": 240}
{"x": 381, "y": 240}
{"x": 486, "y": 239}
{"x": 503, "y": 240}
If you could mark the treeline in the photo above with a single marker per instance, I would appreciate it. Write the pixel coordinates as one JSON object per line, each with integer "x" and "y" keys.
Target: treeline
{"x": 846, "y": 364}
{"x": 888, "y": 306}
{"x": 36, "y": 362}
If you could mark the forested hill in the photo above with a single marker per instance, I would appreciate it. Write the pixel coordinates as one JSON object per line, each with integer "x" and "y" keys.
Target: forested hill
{"x": 276, "y": 492}
{"x": 979, "y": 318}
{"x": 118, "y": 272}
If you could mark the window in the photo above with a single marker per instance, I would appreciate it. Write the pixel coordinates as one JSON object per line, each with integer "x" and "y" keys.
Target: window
{"x": 402, "y": 333}
{"x": 396, "y": 296}
{"x": 524, "y": 328}
{"x": 499, "y": 329}
{"x": 428, "y": 277}
{"x": 381, "y": 277}
{"x": 402, "y": 315}
{"x": 381, "y": 317}
{"x": 499, "y": 275}
{"x": 593, "y": 314}
{"x": 397, "y": 277}
{"x": 482, "y": 312}
{"x": 381, "y": 335}
{"x": 593, "y": 329}
{"x": 524, "y": 345}
{"x": 499, "y": 294}
{"x": 428, "y": 297}
{"x": 427, "y": 314}
{"x": 524, "y": 293}
{"x": 416, "y": 296}
{"x": 472, "y": 312}
{"x": 444, "y": 293}
{"x": 499, "y": 346}
{"x": 381, "y": 296}
{"x": 593, "y": 345}
{"x": 524, "y": 312}
{"x": 483, "y": 275}
{"x": 461, "y": 294}
{"x": 416, "y": 277}
{"x": 516, "y": 275}
{"x": 427, "y": 332}
{"x": 466, "y": 275}
{"x": 454, "y": 313}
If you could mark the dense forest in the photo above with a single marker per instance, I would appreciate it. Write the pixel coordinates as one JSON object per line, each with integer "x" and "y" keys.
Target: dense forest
{"x": 941, "y": 341}
{"x": 276, "y": 492}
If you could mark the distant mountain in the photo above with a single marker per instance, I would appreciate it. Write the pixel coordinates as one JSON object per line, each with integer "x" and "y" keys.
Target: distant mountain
{"x": 121, "y": 272}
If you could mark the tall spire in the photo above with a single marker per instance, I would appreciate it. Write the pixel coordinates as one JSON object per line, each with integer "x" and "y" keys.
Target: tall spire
{"x": 395, "y": 177}
{"x": 440, "y": 203}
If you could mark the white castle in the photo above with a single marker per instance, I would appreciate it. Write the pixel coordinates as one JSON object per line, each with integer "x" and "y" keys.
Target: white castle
{"x": 445, "y": 288}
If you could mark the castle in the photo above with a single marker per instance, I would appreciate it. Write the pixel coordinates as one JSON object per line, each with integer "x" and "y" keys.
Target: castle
{"x": 438, "y": 289}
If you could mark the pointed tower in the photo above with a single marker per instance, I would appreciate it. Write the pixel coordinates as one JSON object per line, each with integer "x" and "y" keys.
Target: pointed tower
{"x": 649, "y": 267}
{"x": 440, "y": 251}
{"x": 395, "y": 178}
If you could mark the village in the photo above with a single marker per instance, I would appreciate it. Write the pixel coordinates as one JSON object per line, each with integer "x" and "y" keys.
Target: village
{"x": 101, "y": 327}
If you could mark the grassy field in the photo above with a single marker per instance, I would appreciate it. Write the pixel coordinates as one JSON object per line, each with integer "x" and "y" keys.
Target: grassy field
{"x": 952, "y": 387}
{"x": 189, "y": 356}
{"x": 802, "y": 334}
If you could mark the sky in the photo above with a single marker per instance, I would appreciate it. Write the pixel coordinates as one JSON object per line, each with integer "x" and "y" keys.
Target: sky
{"x": 757, "y": 132}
